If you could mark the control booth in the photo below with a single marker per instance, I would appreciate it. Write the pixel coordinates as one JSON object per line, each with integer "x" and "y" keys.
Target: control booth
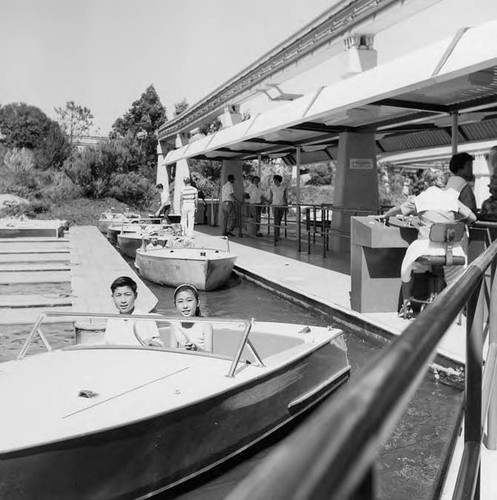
{"x": 377, "y": 250}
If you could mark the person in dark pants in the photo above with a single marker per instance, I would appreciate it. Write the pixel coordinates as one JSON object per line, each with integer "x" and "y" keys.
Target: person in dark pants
{"x": 254, "y": 194}
{"x": 278, "y": 200}
{"x": 228, "y": 206}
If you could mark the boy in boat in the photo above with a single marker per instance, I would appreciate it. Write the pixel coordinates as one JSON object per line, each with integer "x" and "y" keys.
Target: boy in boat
{"x": 126, "y": 331}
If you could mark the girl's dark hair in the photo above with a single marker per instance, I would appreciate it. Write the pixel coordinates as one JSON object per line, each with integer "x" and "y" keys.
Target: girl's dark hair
{"x": 187, "y": 286}
{"x": 124, "y": 281}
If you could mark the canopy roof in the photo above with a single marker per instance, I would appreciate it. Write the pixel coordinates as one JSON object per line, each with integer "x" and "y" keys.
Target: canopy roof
{"x": 407, "y": 102}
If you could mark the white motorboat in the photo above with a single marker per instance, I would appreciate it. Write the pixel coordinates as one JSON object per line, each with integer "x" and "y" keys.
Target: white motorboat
{"x": 152, "y": 235}
{"x": 106, "y": 422}
{"x": 201, "y": 264}
{"x": 20, "y": 227}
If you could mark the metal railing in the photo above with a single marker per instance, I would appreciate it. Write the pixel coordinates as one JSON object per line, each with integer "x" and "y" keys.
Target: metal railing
{"x": 332, "y": 455}
{"x": 247, "y": 325}
{"x": 307, "y": 222}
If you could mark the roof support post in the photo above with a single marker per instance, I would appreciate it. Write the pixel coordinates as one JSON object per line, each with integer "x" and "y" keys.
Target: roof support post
{"x": 182, "y": 171}
{"x": 298, "y": 150}
{"x": 356, "y": 185}
{"x": 454, "y": 131}
{"x": 162, "y": 170}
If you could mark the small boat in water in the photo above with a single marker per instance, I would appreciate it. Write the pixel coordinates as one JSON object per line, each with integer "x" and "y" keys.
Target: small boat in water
{"x": 128, "y": 242}
{"x": 200, "y": 264}
{"x": 108, "y": 421}
{"x": 109, "y": 218}
{"x": 21, "y": 227}
{"x": 121, "y": 228}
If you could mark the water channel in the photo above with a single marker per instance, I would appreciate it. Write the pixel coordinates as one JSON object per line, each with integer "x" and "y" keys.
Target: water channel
{"x": 409, "y": 464}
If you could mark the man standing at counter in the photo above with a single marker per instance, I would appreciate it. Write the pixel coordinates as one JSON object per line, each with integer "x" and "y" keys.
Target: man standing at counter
{"x": 433, "y": 205}
{"x": 461, "y": 166}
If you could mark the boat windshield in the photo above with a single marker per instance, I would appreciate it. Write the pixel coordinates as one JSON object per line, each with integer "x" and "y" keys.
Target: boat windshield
{"x": 220, "y": 338}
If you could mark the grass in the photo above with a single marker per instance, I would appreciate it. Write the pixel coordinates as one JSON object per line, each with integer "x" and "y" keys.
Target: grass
{"x": 79, "y": 211}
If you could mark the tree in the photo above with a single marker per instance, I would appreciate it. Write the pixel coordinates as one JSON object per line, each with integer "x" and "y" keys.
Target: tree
{"x": 181, "y": 106}
{"x": 141, "y": 122}
{"x": 75, "y": 121}
{"x": 23, "y": 126}
{"x": 210, "y": 127}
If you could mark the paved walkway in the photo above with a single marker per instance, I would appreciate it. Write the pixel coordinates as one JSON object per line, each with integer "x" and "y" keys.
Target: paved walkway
{"x": 95, "y": 264}
{"x": 325, "y": 281}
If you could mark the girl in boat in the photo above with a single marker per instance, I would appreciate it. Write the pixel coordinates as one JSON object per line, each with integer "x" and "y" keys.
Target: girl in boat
{"x": 190, "y": 335}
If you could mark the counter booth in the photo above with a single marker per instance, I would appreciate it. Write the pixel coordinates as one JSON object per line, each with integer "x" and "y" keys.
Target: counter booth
{"x": 376, "y": 256}
{"x": 377, "y": 251}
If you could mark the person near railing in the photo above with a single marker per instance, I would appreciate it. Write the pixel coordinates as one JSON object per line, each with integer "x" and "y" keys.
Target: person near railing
{"x": 489, "y": 206}
{"x": 229, "y": 204}
{"x": 461, "y": 166}
{"x": 190, "y": 335}
{"x": 434, "y": 204}
{"x": 254, "y": 194}
{"x": 278, "y": 201}
{"x": 165, "y": 202}
{"x": 122, "y": 331}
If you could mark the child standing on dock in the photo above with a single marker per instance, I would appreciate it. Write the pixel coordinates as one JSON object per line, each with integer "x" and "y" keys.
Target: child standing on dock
{"x": 190, "y": 335}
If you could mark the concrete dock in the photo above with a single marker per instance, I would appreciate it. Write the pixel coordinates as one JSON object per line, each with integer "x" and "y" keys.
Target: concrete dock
{"x": 324, "y": 284}
{"x": 72, "y": 273}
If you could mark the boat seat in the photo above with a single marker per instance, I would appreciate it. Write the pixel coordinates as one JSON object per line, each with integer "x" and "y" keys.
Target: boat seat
{"x": 447, "y": 233}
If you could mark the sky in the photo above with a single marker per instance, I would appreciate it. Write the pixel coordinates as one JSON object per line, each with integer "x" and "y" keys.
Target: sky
{"x": 103, "y": 54}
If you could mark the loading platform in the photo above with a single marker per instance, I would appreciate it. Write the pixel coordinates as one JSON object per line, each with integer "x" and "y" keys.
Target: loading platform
{"x": 72, "y": 273}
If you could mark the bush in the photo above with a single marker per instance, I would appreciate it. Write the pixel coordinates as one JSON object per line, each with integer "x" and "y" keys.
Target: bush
{"x": 18, "y": 174}
{"x": 131, "y": 188}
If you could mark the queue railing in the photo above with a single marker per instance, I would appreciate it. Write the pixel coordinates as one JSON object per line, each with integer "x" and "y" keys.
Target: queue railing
{"x": 306, "y": 223}
{"x": 332, "y": 455}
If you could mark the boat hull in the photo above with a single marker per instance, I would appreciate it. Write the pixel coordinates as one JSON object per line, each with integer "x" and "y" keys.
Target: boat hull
{"x": 206, "y": 270}
{"x": 158, "y": 453}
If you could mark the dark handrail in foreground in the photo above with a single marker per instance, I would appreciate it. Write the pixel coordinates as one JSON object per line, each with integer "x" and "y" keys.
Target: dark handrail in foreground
{"x": 332, "y": 453}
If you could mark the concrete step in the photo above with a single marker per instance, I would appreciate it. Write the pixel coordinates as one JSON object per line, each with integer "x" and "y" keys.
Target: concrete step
{"x": 29, "y": 315}
{"x": 33, "y": 247}
{"x": 8, "y": 278}
{"x": 28, "y": 250}
{"x": 41, "y": 239}
{"x": 35, "y": 257}
{"x": 35, "y": 267}
{"x": 28, "y": 301}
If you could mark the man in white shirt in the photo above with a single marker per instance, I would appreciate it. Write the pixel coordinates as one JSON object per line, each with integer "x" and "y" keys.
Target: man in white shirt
{"x": 278, "y": 200}
{"x": 228, "y": 208}
{"x": 255, "y": 199}
{"x": 188, "y": 202}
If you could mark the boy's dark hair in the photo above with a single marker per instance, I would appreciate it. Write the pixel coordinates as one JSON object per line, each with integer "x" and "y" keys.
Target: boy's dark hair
{"x": 458, "y": 161}
{"x": 124, "y": 281}
{"x": 231, "y": 177}
{"x": 277, "y": 178}
{"x": 159, "y": 186}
